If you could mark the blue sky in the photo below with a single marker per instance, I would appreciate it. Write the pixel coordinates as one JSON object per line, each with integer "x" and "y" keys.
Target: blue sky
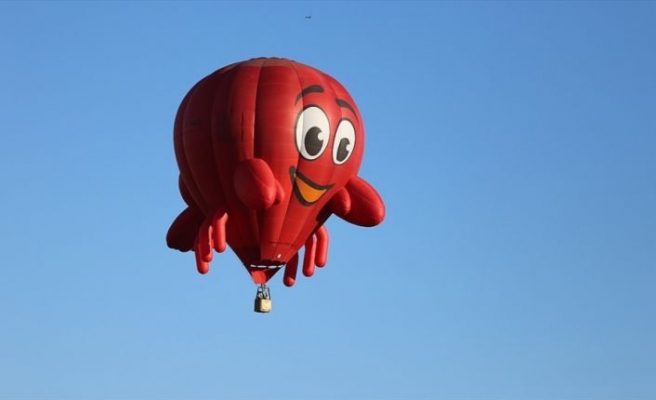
{"x": 514, "y": 144}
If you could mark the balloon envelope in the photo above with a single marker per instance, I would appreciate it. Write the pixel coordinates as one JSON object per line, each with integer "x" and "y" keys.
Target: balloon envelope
{"x": 267, "y": 150}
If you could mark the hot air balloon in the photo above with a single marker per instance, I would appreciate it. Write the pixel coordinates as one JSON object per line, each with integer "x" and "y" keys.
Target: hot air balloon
{"x": 268, "y": 149}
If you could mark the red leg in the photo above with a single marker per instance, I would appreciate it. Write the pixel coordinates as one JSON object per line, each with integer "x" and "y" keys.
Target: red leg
{"x": 321, "y": 256}
{"x": 290, "y": 271}
{"x": 308, "y": 257}
{"x": 219, "y": 231}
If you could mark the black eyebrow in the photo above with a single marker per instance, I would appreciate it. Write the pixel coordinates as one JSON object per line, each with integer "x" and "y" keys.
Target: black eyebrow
{"x": 309, "y": 89}
{"x": 319, "y": 89}
{"x": 346, "y": 104}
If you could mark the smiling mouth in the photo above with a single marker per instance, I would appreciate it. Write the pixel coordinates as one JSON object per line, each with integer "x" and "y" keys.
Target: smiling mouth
{"x": 306, "y": 191}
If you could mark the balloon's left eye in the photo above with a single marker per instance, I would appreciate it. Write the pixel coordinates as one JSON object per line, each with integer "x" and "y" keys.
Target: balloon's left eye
{"x": 312, "y": 130}
{"x": 344, "y": 142}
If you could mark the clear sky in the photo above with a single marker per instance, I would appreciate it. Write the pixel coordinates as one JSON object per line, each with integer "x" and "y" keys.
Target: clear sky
{"x": 514, "y": 144}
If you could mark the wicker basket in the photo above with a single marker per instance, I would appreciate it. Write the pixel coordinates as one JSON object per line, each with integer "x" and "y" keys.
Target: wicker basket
{"x": 262, "y": 305}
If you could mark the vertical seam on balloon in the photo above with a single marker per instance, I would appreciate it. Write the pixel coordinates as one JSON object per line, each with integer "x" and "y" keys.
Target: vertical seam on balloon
{"x": 255, "y": 214}
{"x": 219, "y": 83}
{"x": 282, "y": 208}
{"x": 334, "y": 171}
{"x": 212, "y": 81}
{"x": 230, "y": 184}
{"x": 319, "y": 213}
{"x": 216, "y": 142}
{"x": 196, "y": 188}
{"x": 341, "y": 116}
{"x": 298, "y": 158}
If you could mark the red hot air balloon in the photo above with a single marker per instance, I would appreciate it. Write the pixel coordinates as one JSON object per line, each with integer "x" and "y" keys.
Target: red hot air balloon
{"x": 268, "y": 149}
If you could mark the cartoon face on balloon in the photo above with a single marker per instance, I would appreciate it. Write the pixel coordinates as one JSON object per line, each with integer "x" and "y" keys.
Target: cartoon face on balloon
{"x": 319, "y": 127}
{"x": 268, "y": 149}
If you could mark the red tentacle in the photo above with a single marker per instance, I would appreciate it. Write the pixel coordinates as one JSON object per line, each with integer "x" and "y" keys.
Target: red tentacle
{"x": 204, "y": 241}
{"x": 321, "y": 255}
{"x": 202, "y": 265}
{"x": 308, "y": 257}
{"x": 219, "y": 231}
{"x": 290, "y": 271}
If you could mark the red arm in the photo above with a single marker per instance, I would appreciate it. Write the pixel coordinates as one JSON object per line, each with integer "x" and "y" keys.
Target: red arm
{"x": 255, "y": 185}
{"x": 182, "y": 233}
{"x": 366, "y": 206}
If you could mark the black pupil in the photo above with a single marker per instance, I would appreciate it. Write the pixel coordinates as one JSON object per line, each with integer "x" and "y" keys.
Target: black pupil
{"x": 312, "y": 142}
{"x": 342, "y": 151}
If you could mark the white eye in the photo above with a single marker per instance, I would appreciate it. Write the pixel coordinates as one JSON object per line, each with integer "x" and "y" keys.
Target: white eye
{"x": 344, "y": 142}
{"x": 312, "y": 130}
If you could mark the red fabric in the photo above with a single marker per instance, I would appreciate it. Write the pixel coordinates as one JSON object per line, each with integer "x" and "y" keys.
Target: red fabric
{"x": 263, "y": 146}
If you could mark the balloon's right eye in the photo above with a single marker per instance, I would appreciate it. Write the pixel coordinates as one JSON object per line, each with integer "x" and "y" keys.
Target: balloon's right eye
{"x": 312, "y": 130}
